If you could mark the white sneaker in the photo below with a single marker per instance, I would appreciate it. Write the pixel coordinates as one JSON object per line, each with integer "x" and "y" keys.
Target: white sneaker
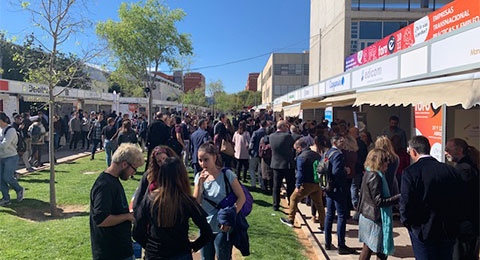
{"x": 20, "y": 194}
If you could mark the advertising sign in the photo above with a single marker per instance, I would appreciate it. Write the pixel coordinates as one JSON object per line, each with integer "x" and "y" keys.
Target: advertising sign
{"x": 338, "y": 84}
{"x": 329, "y": 115}
{"x": 452, "y": 16}
{"x": 381, "y": 72}
{"x": 307, "y": 92}
{"x": 429, "y": 123}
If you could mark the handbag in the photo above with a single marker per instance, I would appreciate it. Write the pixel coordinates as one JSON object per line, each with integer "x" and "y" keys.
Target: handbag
{"x": 227, "y": 148}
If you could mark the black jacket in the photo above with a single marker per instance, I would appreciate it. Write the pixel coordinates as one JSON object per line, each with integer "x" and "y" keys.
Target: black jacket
{"x": 371, "y": 196}
{"x": 469, "y": 173}
{"x": 431, "y": 200}
{"x": 198, "y": 138}
{"x": 282, "y": 151}
{"x": 158, "y": 133}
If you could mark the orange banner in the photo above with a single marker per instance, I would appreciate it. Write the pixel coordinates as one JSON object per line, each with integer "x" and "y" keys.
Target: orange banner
{"x": 429, "y": 123}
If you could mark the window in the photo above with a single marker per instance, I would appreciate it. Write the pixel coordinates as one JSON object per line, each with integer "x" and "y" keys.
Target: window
{"x": 371, "y": 4}
{"x": 306, "y": 69}
{"x": 287, "y": 69}
{"x": 391, "y": 27}
{"x": 370, "y": 30}
{"x": 440, "y": 3}
{"x": 396, "y": 4}
{"x": 355, "y": 4}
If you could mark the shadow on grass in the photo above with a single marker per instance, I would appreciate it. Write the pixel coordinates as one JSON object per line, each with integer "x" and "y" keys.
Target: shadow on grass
{"x": 262, "y": 203}
{"x": 35, "y": 181}
{"x": 39, "y": 211}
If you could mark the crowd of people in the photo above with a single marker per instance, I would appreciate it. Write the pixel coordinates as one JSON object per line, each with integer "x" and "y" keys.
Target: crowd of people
{"x": 337, "y": 169}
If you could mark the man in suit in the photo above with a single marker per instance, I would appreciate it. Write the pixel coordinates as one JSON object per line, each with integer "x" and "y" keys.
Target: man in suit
{"x": 198, "y": 138}
{"x": 254, "y": 157}
{"x": 429, "y": 206}
{"x": 337, "y": 197}
{"x": 283, "y": 164}
{"x": 157, "y": 134}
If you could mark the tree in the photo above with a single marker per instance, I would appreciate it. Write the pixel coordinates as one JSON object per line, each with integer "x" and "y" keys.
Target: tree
{"x": 58, "y": 20}
{"x": 144, "y": 38}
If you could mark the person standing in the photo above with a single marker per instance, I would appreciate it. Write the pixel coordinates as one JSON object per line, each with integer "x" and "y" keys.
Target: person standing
{"x": 37, "y": 132}
{"x": 126, "y": 134}
{"x": 157, "y": 134}
{"x": 393, "y": 129}
{"x": 253, "y": 149}
{"x": 142, "y": 132}
{"x": 8, "y": 161}
{"x": 265, "y": 153}
{"x": 108, "y": 132}
{"x": 307, "y": 182}
{"x": 85, "y": 127}
{"x": 186, "y": 140}
{"x": 283, "y": 164}
{"x": 110, "y": 219}
{"x": 337, "y": 197}
{"x": 198, "y": 138}
{"x": 240, "y": 140}
{"x": 362, "y": 153}
{"x": 430, "y": 203}
{"x": 384, "y": 143}
{"x": 75, "y": 125}
{"x": 96, "y": 134}
{"x": 465, "y": 159}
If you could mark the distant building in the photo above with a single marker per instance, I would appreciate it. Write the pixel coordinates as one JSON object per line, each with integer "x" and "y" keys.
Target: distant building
{"x": 193, "y": 80}
{"x": 98, "y": 78}
{"x": 252, "y": 81}
{"x": 166, "y": 90}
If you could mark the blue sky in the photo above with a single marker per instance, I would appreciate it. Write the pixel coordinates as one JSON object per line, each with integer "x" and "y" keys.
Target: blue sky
{"x": 221, "y": 31}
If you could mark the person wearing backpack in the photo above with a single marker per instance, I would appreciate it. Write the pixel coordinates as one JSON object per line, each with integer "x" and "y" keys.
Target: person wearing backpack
{"x": 307, "y": 182}
{"x": 265, "y": 153}
{"x": 23, "y": 137}
{"x": 37, "y": 132}
{"x": 8, "y": 161}
{"x": 337, "y": 195}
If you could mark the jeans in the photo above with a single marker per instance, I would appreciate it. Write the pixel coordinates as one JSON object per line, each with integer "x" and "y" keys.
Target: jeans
{"x": 56, "y": 140}
{"x": 336, "y": 202}
{"x": 218, "y": 246}
{"x": 278, "y": 175}
{"x": 441, "y": 249}
{"x": 95, "y": 143}
{"x": 254, "y": 167}
{"x": 109, "y": 149}
{"x": 182, "y": 257}
{"x": 355, "y": 189}
{"x": 186, "y": 153}
{"x": 7, "y": 172}
{"x": 242, "y": 163}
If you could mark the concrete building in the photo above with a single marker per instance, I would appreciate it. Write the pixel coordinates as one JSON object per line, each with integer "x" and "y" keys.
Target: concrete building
{"x": 252, "y": 81}
{"x": 166, "y": 90}
{"x": 193, "y": 80}
{"x": 339, "y": 28}
{"x": 284, "y": 72}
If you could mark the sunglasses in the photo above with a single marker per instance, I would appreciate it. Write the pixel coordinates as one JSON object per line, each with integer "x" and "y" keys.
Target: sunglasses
{"x": 131, "y": 166}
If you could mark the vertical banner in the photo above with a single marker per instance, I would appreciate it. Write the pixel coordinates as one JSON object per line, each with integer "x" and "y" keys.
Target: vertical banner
{"x": 429, "y": 122}
{"x": 329, "y": 115}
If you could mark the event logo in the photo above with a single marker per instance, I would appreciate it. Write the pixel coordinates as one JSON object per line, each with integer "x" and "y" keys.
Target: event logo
{"x": 371, "y": 73}
{"x": 336, "y": 83}
{"x": 359, "y": 57}
{"x": 391, "y": 44}
{"x": 421, "y": 29}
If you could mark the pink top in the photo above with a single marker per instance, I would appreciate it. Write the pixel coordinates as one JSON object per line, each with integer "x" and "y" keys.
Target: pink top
{"x": 241, "y": 142}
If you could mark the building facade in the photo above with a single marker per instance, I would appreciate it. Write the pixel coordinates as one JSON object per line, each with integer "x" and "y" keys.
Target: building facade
{"x": 343, "y": 27}
{"x": 193, "y": 80}
{"x": 284, "y": 72}
{"x": 252, "y": 82}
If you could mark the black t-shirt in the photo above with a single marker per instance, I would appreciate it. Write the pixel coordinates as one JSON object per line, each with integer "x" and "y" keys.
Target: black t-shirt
{"x": 107, "y": 197}
{"x": 109, "y": 131}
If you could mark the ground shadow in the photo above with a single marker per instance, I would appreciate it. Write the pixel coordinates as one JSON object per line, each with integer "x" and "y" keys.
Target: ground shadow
{"x": 403, "y": 252}
{"x": 353, "y": 233}
{"x": 39, "y": 211}
{"x": 35, "y": 181}
{"x": 262, "y": 203}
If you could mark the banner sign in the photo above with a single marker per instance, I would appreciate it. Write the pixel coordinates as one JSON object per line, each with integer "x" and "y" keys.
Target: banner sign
{"x": 429, "y": 123}
{"x": 379, "y": 72}
{"x": 452, "y": 16}
{"x": 338, "y": 84}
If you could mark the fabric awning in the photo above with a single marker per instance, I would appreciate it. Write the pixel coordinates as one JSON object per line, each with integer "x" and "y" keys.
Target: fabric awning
{"x": 338, "y": 101}
{"x": 278, "y": 107}
{"x": 461, "y": 92}
{"x": 292, "y": 110}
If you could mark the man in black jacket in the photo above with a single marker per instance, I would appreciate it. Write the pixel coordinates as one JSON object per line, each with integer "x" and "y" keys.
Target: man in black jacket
{"x": 157, "y": 134}
{"x": 198, "y": 138}
{"x": 429, "y": 206}
{"x": 283, "y": 164}
{"x": 307, "y": 182}
{"x": 254, "y": 157}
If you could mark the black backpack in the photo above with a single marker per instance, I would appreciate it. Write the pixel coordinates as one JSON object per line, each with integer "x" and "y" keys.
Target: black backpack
{"x": 325, "y": 174}
{"x": 21, "y": 145}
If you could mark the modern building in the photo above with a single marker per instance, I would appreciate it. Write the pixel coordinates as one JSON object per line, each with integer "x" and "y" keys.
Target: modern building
{"x": 166, "y": 90}
{"x": 193, "y": 80}
{"x": 284, "y": 72}
{"x": 339, "y": 28}
{"x": 252, "y": 81}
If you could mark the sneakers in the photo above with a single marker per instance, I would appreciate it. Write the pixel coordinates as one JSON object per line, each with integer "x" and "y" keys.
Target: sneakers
{"x": 345, "y": 250}
{"x": 20, "y": 194}
{"x": 4, "y": 203}
{"x": 328, "y": 247}
{"x": 286, "y": 222}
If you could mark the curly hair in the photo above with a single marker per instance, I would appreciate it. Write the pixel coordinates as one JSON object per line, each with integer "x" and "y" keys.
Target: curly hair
{"x": 153, "y": 166}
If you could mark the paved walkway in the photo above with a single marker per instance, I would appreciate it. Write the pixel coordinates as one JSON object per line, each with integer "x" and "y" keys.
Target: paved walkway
{"x": 403, "y": 248}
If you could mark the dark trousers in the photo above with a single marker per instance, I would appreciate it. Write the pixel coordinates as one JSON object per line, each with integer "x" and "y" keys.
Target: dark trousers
{"x": 95, "y": 143}
{"x": 74, "y": 140}
{"x": 227, "y": 160}
{"x": 37, "y": 153}
{"x": 336, "y": 202}
{"x": 84, "y": 138}
{"x": 242, "y": 163}
{"x": 278, "y": 175}
{"x": 429, "y": 250}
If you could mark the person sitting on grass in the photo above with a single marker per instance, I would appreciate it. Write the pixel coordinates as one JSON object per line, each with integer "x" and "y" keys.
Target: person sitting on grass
{"x": 110, "y": 219}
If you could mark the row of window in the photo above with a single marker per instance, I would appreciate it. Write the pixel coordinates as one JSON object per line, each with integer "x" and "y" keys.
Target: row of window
{"x": 398, "y": 4}
{"x": 290, "y": 69}
{"x": 282, "y": 90}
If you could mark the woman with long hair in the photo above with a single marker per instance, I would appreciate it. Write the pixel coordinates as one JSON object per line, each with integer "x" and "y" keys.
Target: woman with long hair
{"x": 240, "y": 140}
{"x": 126, "y": 134}
{"x": 158, "y": 156}
{"x": 383, "y": 142}
{"x": 162, "y": 219}
{"x": 375, "y": 225}
{"x": 210, "y": 186}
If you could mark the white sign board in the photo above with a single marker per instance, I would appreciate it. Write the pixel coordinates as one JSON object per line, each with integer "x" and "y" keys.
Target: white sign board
{"x": 380, "y": 72}
{"x": 307, "y": 92}
{"x": 458, "y": 50}
{"x": 414, "y": 62}
{"x": 338, "y": 83}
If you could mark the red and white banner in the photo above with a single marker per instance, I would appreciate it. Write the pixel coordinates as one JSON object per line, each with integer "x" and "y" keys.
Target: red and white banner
{"x": 429, "y": 123}
{"x": 452, "y": 16}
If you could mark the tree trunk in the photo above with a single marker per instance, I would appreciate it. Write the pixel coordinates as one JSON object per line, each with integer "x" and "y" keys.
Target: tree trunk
{"x": 150, "y": 106}
{"x": 51, "y": 152}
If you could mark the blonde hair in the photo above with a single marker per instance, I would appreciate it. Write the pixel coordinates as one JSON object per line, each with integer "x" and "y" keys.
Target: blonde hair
{"x": 129, "y": 153}
{"x": 383, "y": 142}
{"x": 375, "y": 159}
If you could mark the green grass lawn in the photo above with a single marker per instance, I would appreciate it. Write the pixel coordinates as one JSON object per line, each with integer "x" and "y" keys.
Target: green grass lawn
{"x": 27, "y": 232}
